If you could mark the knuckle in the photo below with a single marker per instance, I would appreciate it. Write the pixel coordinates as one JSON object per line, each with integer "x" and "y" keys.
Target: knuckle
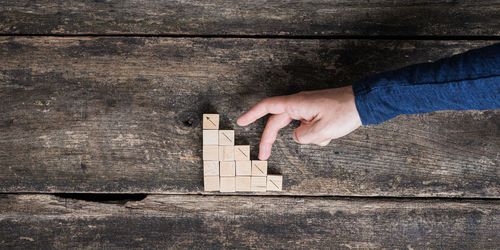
{"x": 295, "y": 105}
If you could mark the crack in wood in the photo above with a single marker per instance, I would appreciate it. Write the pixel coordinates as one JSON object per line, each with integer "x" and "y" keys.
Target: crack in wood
{"x": 106, "y": 198}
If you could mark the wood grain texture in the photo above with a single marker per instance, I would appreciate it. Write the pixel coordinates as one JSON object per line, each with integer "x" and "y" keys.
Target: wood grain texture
{"x": 186, "y": 221}
{"x": 116, "y": 114}
{"x": 273, "y": 17}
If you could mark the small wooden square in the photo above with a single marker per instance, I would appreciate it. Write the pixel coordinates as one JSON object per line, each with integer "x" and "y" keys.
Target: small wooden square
{"x": 226, "y": 153}
{"x": 210, "y": 137}
{"x": 226, "y": 137}
{"x": 243, "y": 184}
{"x": 258, "y": 184}
{"x": 242, "y": 153}
{"x": 211, "y": 153}
{"x": 227, "y": 168}
{"x": 244, "y": 168}
{"x": 210, "y": 121}
{"x": 210, "y": 168}
{"x": 228, "y": 184}
{"x": 274, "y": 182}
{"x": 211, "y": 183}
{"x": 259, "y": 168}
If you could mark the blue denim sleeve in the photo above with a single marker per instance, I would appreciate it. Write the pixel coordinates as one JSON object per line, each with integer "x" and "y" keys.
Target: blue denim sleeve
{"x": 468, "y": 81}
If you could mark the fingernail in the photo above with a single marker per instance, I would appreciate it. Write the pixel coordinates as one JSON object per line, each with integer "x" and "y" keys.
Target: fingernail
{"x": 239, "y": 122}
{"x": 294, "y": 137}
{"x": 264, "y": 152}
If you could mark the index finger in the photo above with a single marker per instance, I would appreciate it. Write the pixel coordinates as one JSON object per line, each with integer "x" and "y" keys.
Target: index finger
{"x": 270, "y": 105}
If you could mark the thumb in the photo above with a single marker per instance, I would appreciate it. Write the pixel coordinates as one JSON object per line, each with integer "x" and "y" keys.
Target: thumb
{"x": 304, "y": 133}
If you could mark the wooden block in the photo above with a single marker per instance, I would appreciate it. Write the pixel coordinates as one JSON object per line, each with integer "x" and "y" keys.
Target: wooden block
{"x": 274, "y": 182}
{"x": 210, "y": 121}
{"x": 242, "y": 153}
{"x": 226, "y": 153}
{"x": 243, "y": 183}
{"x": 210, "y": 137}
{"x": 227, "y": 168}
{"x": 227, "y": 184}
{"x": 211, "y": 153}
{"x": 244, "y": 168}
{"x": 259, "y": 168}
{"x": 258, "y": 184}
{"x": 210, "y": 168}
{"x": 211, "y": 183}
{"x": 226, "y": 137}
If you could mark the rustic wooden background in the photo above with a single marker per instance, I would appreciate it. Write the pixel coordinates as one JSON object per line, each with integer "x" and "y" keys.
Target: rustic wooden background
{"x": 100, "y": 134}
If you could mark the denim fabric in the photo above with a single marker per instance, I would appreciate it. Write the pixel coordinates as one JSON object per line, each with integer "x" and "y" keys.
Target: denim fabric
{"x": 468, "y": 81}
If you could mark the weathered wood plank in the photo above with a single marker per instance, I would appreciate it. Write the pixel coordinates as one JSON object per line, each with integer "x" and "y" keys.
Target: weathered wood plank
{"x": 273, "y": 17}
{"x": 43, "y": 221}
{"x": 123, "y": 115}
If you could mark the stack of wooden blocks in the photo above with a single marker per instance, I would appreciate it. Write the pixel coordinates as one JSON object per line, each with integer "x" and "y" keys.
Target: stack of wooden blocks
{"x": 227, "y": 167}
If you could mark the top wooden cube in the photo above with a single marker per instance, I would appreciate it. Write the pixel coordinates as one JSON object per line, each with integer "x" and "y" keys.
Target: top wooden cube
{"x": 210, "y": 121}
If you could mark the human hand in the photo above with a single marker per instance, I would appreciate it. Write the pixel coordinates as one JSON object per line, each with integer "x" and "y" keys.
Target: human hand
{"x": 324, "y": 114}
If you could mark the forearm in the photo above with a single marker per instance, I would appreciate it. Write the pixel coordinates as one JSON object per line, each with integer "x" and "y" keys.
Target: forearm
{"x": 462, "y": 82}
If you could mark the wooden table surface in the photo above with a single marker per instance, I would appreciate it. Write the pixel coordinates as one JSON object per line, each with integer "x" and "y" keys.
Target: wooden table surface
{"x": 100, "y": 125}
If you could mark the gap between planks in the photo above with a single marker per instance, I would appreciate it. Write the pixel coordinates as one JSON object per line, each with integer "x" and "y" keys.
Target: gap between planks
{"x": 298, "y": 37}
{"x": 96, "y": 197}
